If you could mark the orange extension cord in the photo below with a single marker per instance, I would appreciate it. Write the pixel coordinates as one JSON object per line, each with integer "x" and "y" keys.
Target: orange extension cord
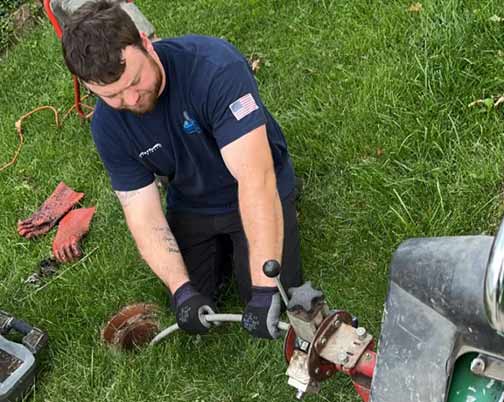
{"x": 19, "y": 127}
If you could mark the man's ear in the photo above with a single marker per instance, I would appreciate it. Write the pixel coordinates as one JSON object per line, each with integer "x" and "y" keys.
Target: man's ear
{"x": 85, "y": 84}
{"x": 146, "y": 42}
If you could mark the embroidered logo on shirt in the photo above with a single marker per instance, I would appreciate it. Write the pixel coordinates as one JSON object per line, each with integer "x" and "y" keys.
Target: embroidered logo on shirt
{"x": 151, "y": 150}
{"x": 243, "y": 106}
{"x": 190, "y": 126}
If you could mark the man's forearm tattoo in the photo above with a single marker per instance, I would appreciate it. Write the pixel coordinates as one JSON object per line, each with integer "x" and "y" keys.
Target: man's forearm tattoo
{"x": 167, "y": 236}
{"x": 125, "y": 197}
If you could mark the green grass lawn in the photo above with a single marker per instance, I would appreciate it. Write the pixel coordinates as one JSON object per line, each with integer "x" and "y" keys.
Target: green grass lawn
{"x": 373, "y": 100}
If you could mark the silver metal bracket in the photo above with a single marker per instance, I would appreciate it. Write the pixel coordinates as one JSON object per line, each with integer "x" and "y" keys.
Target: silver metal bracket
{"x": 340, "y": 343}
{"x": 299, "y": 376}
{"x": 489, "y": 367}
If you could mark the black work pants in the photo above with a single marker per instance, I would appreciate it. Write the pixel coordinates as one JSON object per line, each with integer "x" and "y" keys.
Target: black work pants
{"x": 212, "y": 245}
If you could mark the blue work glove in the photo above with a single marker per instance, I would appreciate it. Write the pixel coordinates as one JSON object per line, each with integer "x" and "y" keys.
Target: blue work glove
{"x": 190, "y": 307}
{"x": 262, "y": 313}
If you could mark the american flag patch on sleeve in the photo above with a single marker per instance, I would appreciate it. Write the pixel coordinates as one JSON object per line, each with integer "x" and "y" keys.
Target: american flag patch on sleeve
{"x": 243, "y": 106}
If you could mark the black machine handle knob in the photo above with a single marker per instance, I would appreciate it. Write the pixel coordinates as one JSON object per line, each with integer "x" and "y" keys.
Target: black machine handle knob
{"x": 271, "y": 268}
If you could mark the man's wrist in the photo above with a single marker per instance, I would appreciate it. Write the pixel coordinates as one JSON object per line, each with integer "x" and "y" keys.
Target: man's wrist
{"x": 263, "y": 281}
{"x": 183, "y": 293}
{"x": 264, "y": 289}
{"x": 176, "y": 285}
{"x": 262, "y": 295}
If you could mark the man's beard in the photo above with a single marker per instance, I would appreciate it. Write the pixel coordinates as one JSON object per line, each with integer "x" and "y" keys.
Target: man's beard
{"x": 148, "y": 99}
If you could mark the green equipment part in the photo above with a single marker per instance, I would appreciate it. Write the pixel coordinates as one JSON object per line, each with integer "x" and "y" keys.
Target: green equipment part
{"x": 469, "y": 387}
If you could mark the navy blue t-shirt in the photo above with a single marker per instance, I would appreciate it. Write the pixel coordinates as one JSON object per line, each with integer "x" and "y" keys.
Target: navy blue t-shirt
{"x": 210, "y": 99}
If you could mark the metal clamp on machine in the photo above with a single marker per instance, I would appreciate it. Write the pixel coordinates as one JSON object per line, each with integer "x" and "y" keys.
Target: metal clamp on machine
{"x": 321, "y": 342}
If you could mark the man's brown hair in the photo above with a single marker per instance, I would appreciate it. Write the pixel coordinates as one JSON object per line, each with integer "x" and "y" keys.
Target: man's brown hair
{"x": 93, "y": 41}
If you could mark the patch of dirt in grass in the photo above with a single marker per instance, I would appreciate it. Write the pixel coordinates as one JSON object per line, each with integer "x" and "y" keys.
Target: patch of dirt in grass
{"x": 15, "y": 24}
{"x": 23, "y": 18}
{"x": 415, "y": 8}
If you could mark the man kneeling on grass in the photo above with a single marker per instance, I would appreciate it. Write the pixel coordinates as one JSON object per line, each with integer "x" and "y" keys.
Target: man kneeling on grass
{"x": 189, "y": 108}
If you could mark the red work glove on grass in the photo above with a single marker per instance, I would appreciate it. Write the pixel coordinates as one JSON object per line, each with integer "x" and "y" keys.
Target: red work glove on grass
{"x": 58, "y": 204}
{"x": 70, "y": 230}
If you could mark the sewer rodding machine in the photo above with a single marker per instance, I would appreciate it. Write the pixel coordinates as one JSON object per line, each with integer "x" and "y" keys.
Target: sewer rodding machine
{"x": 442, "y": 336}
{"x": 442, "y": 329}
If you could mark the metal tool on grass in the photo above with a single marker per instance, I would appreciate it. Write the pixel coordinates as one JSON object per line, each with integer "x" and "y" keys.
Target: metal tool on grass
{"x": 17, "y": 360}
